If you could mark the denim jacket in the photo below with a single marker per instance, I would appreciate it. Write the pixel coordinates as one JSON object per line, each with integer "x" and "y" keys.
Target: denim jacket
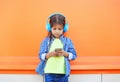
{"x": 44, "y": 48}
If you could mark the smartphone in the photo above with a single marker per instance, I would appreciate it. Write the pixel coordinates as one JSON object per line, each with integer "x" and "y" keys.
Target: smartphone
{"x": 58, "y": 49}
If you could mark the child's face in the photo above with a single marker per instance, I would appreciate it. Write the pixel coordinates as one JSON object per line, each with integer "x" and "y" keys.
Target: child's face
{"x": 57, "y": 30}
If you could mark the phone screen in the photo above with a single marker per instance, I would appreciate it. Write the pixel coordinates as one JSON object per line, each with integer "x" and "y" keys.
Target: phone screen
{"x": 58, "y": 49}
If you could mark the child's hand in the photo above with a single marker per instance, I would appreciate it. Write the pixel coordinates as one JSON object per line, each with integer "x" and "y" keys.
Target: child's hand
{"x": 58, "y": 53}
{"x": 53, "y": 53}
{"x": 50, "y": 54}
{"x": 62, "y": 53}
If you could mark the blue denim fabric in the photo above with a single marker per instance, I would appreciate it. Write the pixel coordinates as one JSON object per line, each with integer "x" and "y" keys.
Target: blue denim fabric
{"x": 56, "y": 78}
{"x": 44, "y": 48}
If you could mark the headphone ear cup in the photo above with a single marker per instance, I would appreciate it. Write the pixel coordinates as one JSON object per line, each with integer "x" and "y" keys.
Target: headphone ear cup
{"x": 66, "y": 27}
{"x": 48, "y": 27}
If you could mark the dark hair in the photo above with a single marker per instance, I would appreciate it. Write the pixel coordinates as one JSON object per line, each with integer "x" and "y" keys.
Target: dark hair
{"x": 56, "y": 19}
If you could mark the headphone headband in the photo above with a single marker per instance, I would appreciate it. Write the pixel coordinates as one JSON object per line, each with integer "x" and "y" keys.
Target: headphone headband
{"x": 48, "y": 26}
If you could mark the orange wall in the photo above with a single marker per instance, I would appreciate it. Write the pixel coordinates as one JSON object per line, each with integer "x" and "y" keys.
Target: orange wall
{"x": 94, "y": 25}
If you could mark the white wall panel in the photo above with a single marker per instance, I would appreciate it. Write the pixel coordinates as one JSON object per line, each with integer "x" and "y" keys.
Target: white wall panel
{"x": 20, "y": 78}
{"x": 111, "y": 78}
{"x": 72, "y": 78}
{"x": 85, "y": 78}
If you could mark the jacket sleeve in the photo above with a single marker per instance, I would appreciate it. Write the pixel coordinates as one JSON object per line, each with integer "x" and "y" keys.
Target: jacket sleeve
{"x": 43, "y": 49}
{"x": 71, "y": 50}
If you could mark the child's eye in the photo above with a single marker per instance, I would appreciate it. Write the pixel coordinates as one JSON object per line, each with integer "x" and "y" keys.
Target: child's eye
{"x": 60, "y": 29}
{"x": 57, "y": 29}
{"x": 54, "y": 28}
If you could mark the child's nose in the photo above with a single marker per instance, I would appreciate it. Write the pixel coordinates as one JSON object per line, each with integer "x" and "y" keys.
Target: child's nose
{"x": 57, "y": 30}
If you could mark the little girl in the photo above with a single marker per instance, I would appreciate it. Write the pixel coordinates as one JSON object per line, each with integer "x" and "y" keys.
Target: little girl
{"x": 56, "y": 50}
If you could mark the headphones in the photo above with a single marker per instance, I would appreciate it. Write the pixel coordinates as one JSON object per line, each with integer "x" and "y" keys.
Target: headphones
{"x": 48, "y": 26}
